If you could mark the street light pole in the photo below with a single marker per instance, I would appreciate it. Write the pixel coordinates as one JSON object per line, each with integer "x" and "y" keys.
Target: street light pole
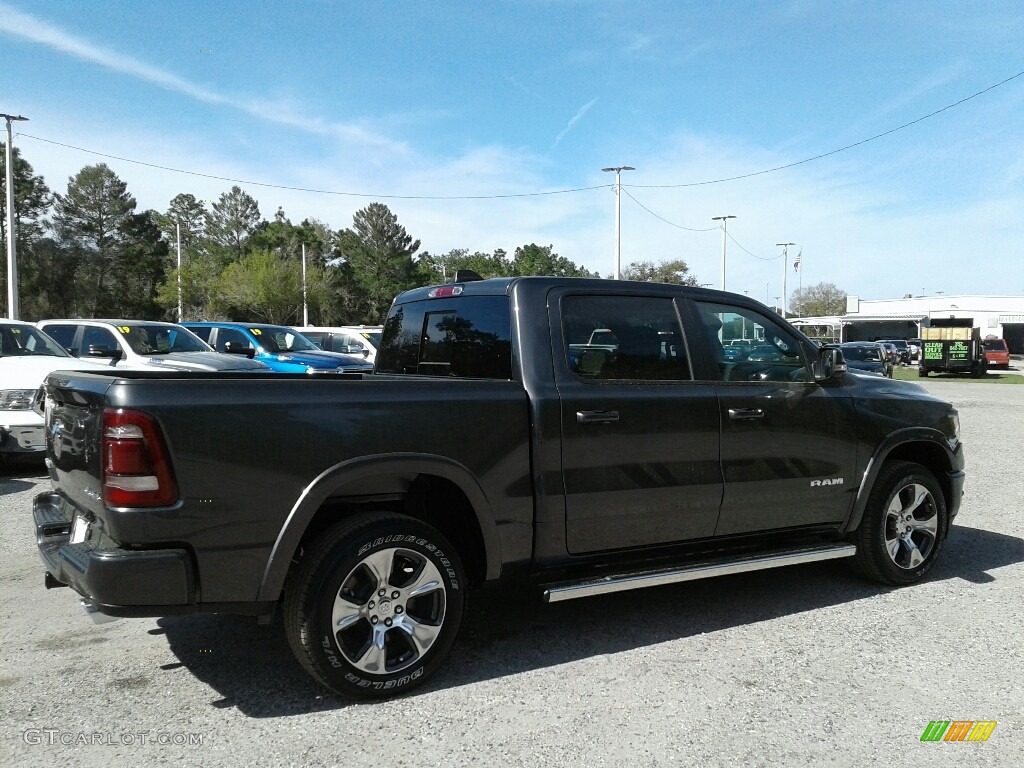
{"x": 618, "y": 212}
{"x": 177, "y": 226}
{"x": 305, "y": 306}
{"x": 725, "y": 223}
{"x": 12, "y": 260}
{"x": 785, "y": 274}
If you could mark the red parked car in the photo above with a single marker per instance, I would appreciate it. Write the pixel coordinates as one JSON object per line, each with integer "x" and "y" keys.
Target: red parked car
{"x": 997, "y": 354}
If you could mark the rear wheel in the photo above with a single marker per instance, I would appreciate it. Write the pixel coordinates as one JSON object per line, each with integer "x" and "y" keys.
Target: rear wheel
{"x": 904, "y": 525}
{"x": 375, "y": 606}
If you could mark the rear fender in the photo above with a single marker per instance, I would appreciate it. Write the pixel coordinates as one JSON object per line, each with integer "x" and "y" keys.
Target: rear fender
{"x": 363, "y": 471}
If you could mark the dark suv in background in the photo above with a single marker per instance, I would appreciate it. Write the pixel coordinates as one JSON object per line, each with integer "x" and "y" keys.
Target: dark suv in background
{"x": 902, "y": 347}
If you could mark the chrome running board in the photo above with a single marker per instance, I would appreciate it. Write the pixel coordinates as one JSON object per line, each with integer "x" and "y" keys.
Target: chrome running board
{"x": 554, "y": 593}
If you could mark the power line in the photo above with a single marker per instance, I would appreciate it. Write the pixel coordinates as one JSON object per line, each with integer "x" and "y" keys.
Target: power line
{"x": 662, "y": 218}
{"x": 762, "y": 258}
{"x": 708, "y": 229}
{"x": 834, "y": 151}
{"x": 542, "y": 193}
{"x": 315, "y": 191}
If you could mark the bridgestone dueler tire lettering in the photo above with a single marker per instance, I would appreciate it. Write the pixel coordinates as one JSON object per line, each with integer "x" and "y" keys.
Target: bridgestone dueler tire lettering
{"x": 312, "y": 595}
{"x": 873, "y": 561}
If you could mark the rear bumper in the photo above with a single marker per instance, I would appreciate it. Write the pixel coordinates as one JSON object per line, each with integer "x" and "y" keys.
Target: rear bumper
{"x": 118, "y": 581}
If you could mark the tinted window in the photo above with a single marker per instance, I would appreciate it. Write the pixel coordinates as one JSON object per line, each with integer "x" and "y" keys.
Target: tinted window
{"x": 63, "y": 334}
{"x": 467, "y": 337}
{"x": 317, "y": 337}
{"x": 224, "y": 335}
{"x": 776, "y": 356}
{"x": 202, "y": 331}
{"x": 100, "y": 338}
{"x": 624, "y": 337}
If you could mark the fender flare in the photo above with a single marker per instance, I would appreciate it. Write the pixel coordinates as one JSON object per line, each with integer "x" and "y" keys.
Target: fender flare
{"x": 363, "y": 468}
{"x": 878, "y": 458}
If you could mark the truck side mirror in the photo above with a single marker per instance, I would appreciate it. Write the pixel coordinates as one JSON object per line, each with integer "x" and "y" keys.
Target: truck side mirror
{"x": 102, "y": 350}
{"x": 829, "y": 365}
{"x": 238, "y": 348}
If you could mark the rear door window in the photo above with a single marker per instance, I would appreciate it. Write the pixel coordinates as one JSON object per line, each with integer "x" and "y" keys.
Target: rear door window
{"x": 467, "y": 337}
{"x": 632, "y": 338}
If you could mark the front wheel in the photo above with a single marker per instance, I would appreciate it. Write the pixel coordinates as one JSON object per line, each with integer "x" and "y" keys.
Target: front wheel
{"x": 904, "y": 525}
{"x": 375, "y": 606}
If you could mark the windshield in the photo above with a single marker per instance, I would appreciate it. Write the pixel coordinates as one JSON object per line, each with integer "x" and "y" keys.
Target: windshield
{"x": 24, "y": 340}
{"x": 278, "y": 339}
{"x": 373, "y": 337}
{"x": 995, "y": 345}
{"x": 158, "y": 339}
{"x": 863, "y": 354}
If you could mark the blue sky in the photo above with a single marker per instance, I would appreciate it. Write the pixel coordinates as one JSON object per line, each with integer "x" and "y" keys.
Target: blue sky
{"x": 420, "y": 100}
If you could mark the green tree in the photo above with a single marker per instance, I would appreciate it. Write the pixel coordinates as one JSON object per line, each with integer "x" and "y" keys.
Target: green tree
{"x": 536, "y": 259}
{"x": 263, "y": 287}
{"x": 51, "y": 288}
{"x": 187, "y": 211}
{"x": 438, "y": 268}
{"x": 199, "y": 272}
{"x": 818, "y": 300}
{"x": 93, "y": 216}
{"x": 138, "y": 268}
{"x": 379, "y": 255}
{"x": 673, "y": 271}
{"x": 230, "y": 223}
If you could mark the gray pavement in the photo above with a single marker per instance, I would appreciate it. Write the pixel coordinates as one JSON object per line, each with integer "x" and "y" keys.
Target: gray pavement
{"x": 800, "y": 666}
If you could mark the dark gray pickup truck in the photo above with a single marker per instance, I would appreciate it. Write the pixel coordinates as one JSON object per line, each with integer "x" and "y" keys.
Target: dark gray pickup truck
{"x": 587, "y": 436}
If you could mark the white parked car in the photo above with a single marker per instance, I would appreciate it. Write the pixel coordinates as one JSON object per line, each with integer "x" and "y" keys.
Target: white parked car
{"x": 143, "y": 345}
{"x": 349, "y": 339}
{"x": 27, "y": 357}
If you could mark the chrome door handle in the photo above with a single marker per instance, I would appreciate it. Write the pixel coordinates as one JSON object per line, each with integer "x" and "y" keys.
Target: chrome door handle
{"x": 597, "y": 417}
{"x": 746, "y": 414}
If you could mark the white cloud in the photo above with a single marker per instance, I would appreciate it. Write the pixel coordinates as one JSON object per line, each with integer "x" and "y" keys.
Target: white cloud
{"x": 575, "y": 119}
{"x": 38, "y": 31}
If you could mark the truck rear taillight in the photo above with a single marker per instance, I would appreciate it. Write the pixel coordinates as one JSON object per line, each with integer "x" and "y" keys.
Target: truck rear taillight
{"x": 136, "y": 470}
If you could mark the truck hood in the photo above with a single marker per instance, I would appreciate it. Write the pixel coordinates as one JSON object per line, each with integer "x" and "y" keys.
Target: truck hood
{"x": 323, "y": 360}
{"x": 28, "y": 372}
{"x": 201, "y": 361}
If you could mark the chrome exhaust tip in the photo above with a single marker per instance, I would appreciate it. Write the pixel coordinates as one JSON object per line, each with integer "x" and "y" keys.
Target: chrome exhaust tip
{"x": 94, "y": 613}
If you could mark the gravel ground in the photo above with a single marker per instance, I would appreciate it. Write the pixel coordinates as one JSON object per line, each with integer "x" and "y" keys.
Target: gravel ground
{"x": 800, "y": 666}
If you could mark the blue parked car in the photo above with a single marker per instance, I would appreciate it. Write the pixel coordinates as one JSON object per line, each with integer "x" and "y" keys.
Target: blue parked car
{"x": 284, "y": 349}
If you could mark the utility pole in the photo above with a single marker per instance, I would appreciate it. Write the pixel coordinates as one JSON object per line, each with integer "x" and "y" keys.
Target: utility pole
{"x": 305, "y": 306}
{"x": 618, "y": 212}
{"x": 725, "y": 222}
{"x": 785, "y": 273}
{"x": 177, "y": 226}
{"x": 12, "y": 259}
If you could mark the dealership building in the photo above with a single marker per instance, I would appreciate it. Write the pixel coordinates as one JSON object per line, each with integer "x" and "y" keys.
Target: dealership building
{"x": 867, "y": 320}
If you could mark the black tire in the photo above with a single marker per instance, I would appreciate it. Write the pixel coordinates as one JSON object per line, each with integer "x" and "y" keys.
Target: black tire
{"x": 905, "y": 514}
{"x": 389, "y": 642}
{"x": 922, "y": 373}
